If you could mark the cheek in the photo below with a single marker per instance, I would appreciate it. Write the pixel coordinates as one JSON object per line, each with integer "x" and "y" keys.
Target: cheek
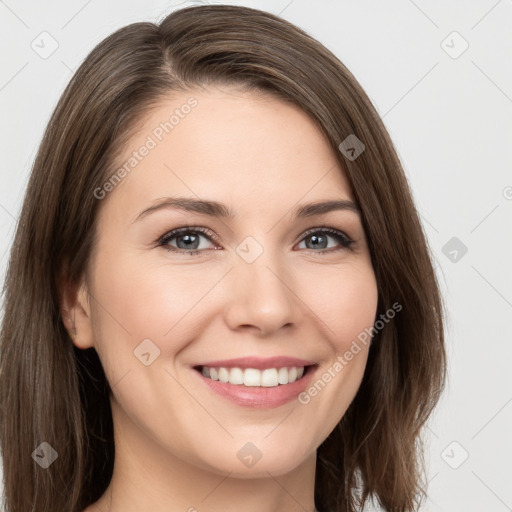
{"x": 344, "y": 301}
{"x": 141, "y": 299}
{"x": 346, "y": 305}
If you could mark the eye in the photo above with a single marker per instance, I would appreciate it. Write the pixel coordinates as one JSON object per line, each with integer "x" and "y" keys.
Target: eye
{"x": 319, "y": 239}
{"x": 188, "y": 240}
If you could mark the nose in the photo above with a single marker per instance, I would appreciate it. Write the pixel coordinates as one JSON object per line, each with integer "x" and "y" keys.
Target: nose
{"x": 261, "y": 296}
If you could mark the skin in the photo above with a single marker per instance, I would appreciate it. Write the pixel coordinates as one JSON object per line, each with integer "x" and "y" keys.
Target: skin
{"x": 176, "y": 441}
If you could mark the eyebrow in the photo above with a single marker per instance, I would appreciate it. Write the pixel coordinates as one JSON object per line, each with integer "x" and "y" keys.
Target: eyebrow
{"x": 216, "y": 209}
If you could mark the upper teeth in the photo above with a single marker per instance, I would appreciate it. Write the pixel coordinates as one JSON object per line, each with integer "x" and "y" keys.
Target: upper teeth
{"x": 270, "y": 377}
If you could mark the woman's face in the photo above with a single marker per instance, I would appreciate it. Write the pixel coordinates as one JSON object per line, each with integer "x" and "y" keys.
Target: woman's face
{"x": 264, "y": 282}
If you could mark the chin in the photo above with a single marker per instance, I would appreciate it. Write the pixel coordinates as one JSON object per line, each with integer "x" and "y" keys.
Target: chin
{"x": 248, "y": 461}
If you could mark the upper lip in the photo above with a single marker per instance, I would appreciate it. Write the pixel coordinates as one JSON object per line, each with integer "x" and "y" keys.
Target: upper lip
{"x": 259, "y": 363}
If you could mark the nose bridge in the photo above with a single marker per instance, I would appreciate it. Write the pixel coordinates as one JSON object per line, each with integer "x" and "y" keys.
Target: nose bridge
{"x": 261, "y": 291}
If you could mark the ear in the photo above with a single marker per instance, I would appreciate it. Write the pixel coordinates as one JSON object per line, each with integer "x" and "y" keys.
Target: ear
{"x": 76, "y": 312}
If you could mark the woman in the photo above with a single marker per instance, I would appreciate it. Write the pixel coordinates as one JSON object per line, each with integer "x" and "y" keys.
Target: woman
{"x": 220, "y": 295}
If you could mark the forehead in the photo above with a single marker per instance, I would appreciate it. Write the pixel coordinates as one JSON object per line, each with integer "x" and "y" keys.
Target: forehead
{"x": 228, "y": 144}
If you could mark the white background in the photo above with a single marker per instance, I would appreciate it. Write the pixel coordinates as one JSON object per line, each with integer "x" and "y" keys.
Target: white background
{"x": 451, "y": 121}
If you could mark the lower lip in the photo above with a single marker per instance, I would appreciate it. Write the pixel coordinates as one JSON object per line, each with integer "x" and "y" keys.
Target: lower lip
{"x": 260, "y": 397}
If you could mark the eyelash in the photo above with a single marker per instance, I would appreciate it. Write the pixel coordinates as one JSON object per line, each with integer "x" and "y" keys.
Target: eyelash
{"x": 342, "y": 238}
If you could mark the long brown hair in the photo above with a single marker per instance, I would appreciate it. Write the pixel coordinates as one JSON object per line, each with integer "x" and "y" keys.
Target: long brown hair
{"x": 51, "y": 391}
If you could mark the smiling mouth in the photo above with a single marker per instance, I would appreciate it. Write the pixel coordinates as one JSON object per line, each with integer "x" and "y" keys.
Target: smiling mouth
{"x": 253, "y": 377}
